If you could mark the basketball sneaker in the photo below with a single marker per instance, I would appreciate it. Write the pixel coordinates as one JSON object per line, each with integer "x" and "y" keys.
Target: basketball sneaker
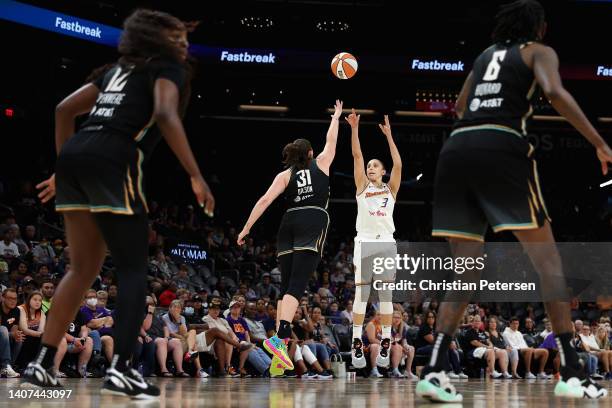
{"x": 436, "y": 387}
{"x": 36, "y": 376}
{"x": 129, "y": 383}
{"x": 276, "y": 368}
{"x": 382, "y": 359}
{"x": 357, "y": 358}
{"x": 278, "y": 348}
{"x": 578, "y": 385}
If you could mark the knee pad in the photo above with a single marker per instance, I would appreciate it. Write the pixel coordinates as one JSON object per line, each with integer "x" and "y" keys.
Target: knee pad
{"x": 362, "y": 294}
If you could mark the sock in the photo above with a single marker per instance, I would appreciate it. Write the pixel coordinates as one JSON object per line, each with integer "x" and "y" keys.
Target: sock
{"x": 386, "y": 332}
{"x": 567, "y": 355}
{"x": 439, "y": 354}
{"x": 284, "y": 330}
{"x": 46, "y": 356}
{"x": 357, "y": 330}
{"x": 120, "y": 364}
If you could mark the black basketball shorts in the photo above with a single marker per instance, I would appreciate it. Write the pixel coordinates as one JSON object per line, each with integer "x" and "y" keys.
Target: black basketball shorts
{"x": 303, "y": 229}
{"x": 486, "y": 177}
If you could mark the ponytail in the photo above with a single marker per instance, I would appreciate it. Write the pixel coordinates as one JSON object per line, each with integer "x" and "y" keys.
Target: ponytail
{"x": 295, "y": 154}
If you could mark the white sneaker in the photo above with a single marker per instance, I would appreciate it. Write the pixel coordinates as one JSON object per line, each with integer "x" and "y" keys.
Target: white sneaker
{"x": 544, "y": 376}
{"x": 410, "y": 375}
{"x": 9, "y": 372}
{"x": 507, "y": 375}
{"x": 374, "y": 373}
{"x": 529, "y": 376}
{"x": 452, "y": 375}
{"x": 496, "y": 374}
{"x": 396, "y": 374}
{"x": 357, "y": 357}
{"x": 575, "y": 388}
{"x": 202, "y": 373}
{"x": 382, "y": 359}
{"x": 436, "y": 387}
{"x": 463, "y": 376}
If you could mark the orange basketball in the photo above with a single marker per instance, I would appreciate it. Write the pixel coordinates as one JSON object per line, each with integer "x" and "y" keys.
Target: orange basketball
{"x": 344, "y": 65}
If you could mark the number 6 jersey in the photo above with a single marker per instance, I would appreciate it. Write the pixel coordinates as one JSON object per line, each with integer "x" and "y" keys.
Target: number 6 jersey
{"x": 503, "y": 87}
{"x": 308, "y": 187}
{"x": 375, "y": 211}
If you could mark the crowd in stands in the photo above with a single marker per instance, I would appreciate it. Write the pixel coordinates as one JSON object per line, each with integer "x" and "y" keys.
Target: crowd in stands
{"x": 210, "y": 317}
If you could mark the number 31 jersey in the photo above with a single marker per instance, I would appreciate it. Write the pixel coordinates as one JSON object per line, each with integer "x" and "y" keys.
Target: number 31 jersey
{"x": 308, "y": 187}
{"x": 375, "y": 211}
{"x": 502, "y": 90}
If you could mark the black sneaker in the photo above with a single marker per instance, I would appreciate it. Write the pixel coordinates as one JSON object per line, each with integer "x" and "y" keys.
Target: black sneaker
{"x": 36, "y": 376}
{"x": 325, "y": 375}
{"x": 291, "y": 374}
{"x": 129, "y": 383}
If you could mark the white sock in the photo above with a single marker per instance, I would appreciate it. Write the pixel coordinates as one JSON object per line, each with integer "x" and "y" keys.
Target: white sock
{"x": 386, "y": 332}
{"x": 357, "y": 331}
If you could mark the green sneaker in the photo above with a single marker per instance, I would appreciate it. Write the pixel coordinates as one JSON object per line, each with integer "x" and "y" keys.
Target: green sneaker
{"x": 276, "y": 368}
{"x": 575, "y": 388}
{"x": 437, "y": 387}
{"x": 278, "y": 348}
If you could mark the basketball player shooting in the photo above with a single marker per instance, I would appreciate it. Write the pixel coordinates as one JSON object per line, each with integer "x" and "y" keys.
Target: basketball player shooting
{"x": 375, "y": 203}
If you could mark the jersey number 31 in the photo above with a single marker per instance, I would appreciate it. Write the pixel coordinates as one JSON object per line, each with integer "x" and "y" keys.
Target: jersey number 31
{"x": 304, "y": 178}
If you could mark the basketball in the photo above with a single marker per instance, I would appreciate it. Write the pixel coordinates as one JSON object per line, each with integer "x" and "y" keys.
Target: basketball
{"x": 344, "y": 65}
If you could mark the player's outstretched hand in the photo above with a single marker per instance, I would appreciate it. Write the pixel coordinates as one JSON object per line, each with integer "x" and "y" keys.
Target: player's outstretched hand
{"x": 48, "y": 189}
{"x": 604, "y": 154}
{"x": 241, "y": 236}
{"x": 203, "y": 194}
{"x": 337, "y": 109}
{"x": 353, "y": 119}
{"x": 386, "y": 127}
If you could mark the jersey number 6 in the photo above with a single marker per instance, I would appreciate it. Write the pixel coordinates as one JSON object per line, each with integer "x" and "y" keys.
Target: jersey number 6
{"x": 494, "y": 67}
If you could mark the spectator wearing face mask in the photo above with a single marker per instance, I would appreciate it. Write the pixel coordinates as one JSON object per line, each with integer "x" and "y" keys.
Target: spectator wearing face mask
{"x": 100, "y": 321}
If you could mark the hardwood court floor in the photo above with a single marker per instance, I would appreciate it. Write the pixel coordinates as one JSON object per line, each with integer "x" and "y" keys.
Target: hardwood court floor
{"x": 285, "y": 393}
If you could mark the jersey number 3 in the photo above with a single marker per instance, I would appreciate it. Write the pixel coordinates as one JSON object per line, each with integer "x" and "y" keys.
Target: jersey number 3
{"x": 493, "y": 68}
{"x": 304, "y": 178}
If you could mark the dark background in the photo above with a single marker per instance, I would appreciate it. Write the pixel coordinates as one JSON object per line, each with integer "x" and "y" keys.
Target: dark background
{"x": 240, "y": 153}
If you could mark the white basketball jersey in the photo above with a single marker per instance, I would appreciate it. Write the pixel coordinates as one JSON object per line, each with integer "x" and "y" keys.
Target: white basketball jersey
{"x": 375, "y": 211}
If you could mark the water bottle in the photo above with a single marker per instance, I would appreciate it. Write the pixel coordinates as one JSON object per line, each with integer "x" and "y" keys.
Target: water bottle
{"x": 482, "y": 373}
{"x": 140, "y": 369}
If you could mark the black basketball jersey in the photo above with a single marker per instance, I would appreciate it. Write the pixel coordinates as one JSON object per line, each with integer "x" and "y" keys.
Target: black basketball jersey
{"x": 308, "y": 187}
{"x": 124, "y": 106}
{"x": 502, "y": 90}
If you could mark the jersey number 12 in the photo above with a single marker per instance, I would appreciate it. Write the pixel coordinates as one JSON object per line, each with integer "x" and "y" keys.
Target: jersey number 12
{"x": 304, "y": 178}
{"x": 493, "y": 68}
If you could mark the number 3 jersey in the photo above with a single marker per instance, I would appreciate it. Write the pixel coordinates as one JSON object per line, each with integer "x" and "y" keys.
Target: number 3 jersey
{"x": 308, "y": 187}
{"x": 375, "y": 211}
{"x": 503, "y": 87}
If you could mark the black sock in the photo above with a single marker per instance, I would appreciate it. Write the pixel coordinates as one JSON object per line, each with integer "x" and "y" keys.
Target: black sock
{"x": 46, "y": 355}
{"x": 570, "y": 366}
{"x": 284, "y": 330}
{"x": 439, "y": 355}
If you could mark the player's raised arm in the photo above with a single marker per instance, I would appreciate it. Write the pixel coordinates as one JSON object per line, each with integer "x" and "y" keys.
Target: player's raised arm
{"x": 358, "y": 166}
{"x": 326, "y": 157}
{"x": 546, "y": 71}
{"x": 396, "y": 173}
{"x": 278, "y": 186}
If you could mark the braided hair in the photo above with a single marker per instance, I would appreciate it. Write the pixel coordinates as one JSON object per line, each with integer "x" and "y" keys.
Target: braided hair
{"x": 519, "y": 21}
